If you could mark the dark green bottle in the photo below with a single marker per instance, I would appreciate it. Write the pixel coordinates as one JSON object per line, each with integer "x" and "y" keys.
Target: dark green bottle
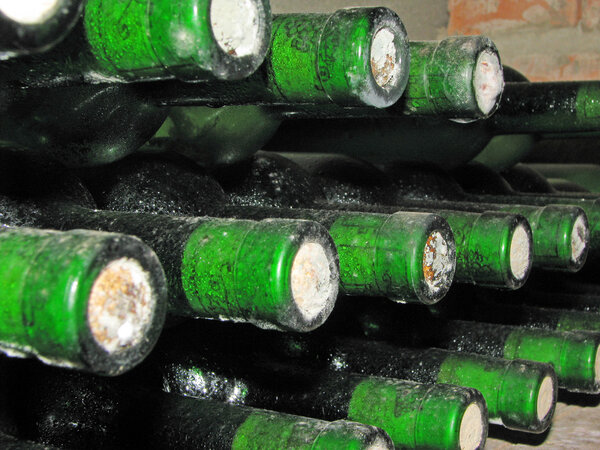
{"x": 273, "y": 273}
{"x": 586, "y": 175}
{"x": 459, "y": 77}
{"x": 35, "y": 26}
{"x": 525, "y": 108}
{"x": 414, "y": 415}
{"x": 407, "y": 257}
{"x": 74, "y": 411}
{"x": 481, "y": 192}
{"x": 82, "y": 299}
{"x": 77, "y": 125}
{"x": 519, "y": 394}
{"x": 559, "y": 232}
{"x": 352, "y": 57}
{"x": 456, "y": 77}
{"x": 492, "y": 248}
{"x": 403, "y": 256}
{"x": 575, "y": 356}
{"x": 135, "y": 41}
{"x": 518, "y": 310}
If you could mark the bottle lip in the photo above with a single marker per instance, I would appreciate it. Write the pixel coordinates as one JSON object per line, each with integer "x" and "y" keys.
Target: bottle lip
{"x": 545, "y": 398}
{"x": 311, "y": 280}
{"x": 241, "y": 30}
{"x": 124, "y": 303}
{"x": 579, "y": 240}
{"x": 471, "y": 428}
{"x": 437, "y": 262}
{"x": 120, "y": 305}
{"x": 488, "y": 81}
{"x": 521, "y": 253}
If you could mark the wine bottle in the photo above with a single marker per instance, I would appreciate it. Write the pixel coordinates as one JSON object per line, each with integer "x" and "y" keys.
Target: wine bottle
{"x": 586, "y": 302}
{"x": 377, "y": 252}
{"x": 78, "y": 125}
{"x": 73, "y": 411}
{"x": 81, "y": 299}
{"x": 273, "y": 273}
{"x": 124, "y": 41}
{"x": 481, "y": 192}
{"x": 583, "y": 174}
{"x": 352, "y": 57}
{"x": 559, "y": 232}
{"x": 525, "y": 108}
{"x": 35, "y": 26}
{"x": 456, "y": 77}
{"x": 519, "y": 394}
{"x": 414, "y": 415}
{"x": 504, "y": 309}
{"x": 574, "y": 355}
{"x": 492, "y": 248}
{"x": 460, "y": 76}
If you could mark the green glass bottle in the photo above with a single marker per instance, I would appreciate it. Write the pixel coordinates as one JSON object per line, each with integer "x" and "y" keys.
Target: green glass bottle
{"x": 586, "y": 175}
{"x": 117, "y": 41}
{"x": 403, "y": 256}
{"x": 82, "y": 299}
{"x": 111, "y": 413}
{"x": 492, "y": 248}
{"x": 77, "y": 125}
{"x": 525, "y": 109}
{"x": 36, "y": 25}
{"x": 476, "y": 306}
{"x": 459, "y": 77}
{"x": 551, "y": 107}
{"x": 414, "y": 415}
{"x": 291, "y": 82}
{"x": 575, "y": 356}
{"x": 408, "y": 257}
{"x": 519, "y": 394}
{"x": 273, "y": 273}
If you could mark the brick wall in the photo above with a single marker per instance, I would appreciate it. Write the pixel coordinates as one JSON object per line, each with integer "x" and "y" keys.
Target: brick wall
{"x": 544, "y": 39}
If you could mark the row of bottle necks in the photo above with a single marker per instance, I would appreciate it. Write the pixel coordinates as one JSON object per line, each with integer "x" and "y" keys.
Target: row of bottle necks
{"x": 271, "y": 242}
{"x": 119, "y": 73}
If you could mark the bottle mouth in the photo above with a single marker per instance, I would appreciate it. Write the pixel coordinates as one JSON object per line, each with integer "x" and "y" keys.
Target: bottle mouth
{"x": 438, "y": 264}
{"x": 520, "y": 253}
{"x": 579, "y": 239}
{"x": 545, "y": 398}
{"x": 29, "y": 12}
{"x": 386, "y": 61}
{"x": 237, "y": 26}
{"x": 311, "y": 281}
{"x": 488, "y": 81}
{"x": 121, "y": 305}
{"x": 471, "y": 428}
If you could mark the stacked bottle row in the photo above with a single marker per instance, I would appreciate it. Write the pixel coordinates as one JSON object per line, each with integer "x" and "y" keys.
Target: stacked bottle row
{"x": 272, "y": 239}
{"x": 296, "y": 287}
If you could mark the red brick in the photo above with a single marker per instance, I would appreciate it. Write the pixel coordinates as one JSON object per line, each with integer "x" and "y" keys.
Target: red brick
{"x": 481, "y": 16}
{"x": 590, "y": 14}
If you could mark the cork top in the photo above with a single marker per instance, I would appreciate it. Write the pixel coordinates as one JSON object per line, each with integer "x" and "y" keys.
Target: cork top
{"x": 29, "y": 12}
{"x": 578, "y": 239}
{"x": 520, "y": 253}
{"x": 437, "y": 262}
{"x": 471, "y": 428}
{"x": 545, "y": 398}
{"x": 121, "y": 305}
{"x": 488, "y": 81}
{"x": 311, "y": 279}
{"x": 236, "y": 26}
{"x": 386, "y": 61}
